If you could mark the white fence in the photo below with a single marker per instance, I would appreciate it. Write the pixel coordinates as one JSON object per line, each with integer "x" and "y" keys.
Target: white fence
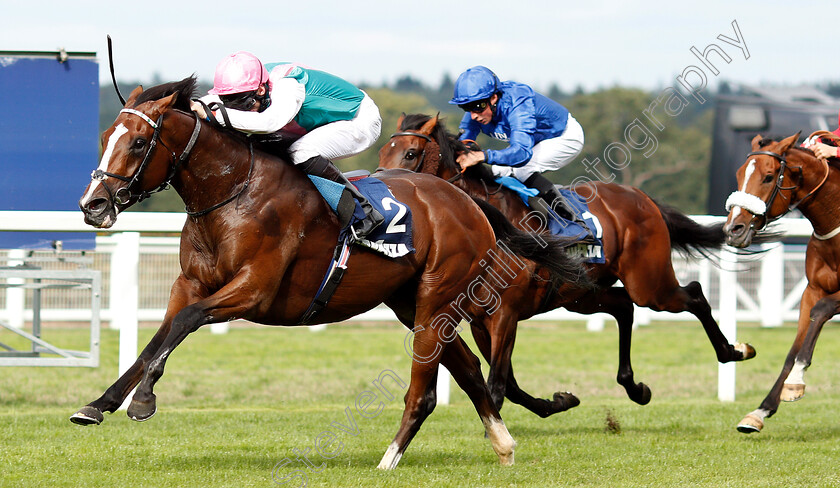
{"x": 137, "y": 273}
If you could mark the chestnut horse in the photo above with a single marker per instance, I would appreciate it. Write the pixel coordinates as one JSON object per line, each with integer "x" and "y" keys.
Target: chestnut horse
{"x": 259, "y": 238}
{"x": 776, "y": 178}
{"x": 637, "y": 233}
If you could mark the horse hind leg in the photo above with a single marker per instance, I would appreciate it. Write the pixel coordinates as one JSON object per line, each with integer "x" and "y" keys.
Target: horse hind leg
{"x": 699, "y": 306}
{"x": 466, "y": 370}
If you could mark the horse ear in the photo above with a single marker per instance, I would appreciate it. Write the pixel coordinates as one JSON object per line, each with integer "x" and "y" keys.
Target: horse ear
{"x": 133, "y": 96}
{"x": 788, "y": 142}
{"x": 755, "y": 140}
{"x": 400, "y": 121}
{"x": 162, "y": 105}
{"x": 429, "y": 126}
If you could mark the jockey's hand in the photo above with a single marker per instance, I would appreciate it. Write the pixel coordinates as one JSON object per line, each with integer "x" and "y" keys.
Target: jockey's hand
{"x": 470, "y": 158}
{"x": 198, "y": 109}
{"x": 824, "y": 151}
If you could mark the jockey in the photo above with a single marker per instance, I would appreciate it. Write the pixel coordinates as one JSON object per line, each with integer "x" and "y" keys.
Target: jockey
{"x": 824, "y": 151}
{"x": 541, "y": 133}
{"x": 333, "y": 118}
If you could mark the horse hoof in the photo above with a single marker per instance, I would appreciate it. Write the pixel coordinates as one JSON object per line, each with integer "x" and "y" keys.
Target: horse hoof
{"x": 87, "y": 415}
{"x": 141, "y": 411}
{"x": 746, "y": 350}
{"x": 564, "y": 400}
{"x": 644, "y": 397}
{"x": 791, "y": 393}
{"x": 506, "y": 460}
{"x": 750, "y": 424}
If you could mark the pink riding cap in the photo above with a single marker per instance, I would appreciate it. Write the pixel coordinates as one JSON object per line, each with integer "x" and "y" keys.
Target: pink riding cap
{"x": 238, "y": 73}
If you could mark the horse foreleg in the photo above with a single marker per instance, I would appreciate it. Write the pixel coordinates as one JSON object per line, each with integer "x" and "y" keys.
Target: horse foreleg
{"x": 754, "y": 421}
{"x": 794, "y": 386}
{"x": 234, "y": 300}
{"x": 562, "y": 401}
{"x": 502, "y": 328}
{"x": 183, "y": 292}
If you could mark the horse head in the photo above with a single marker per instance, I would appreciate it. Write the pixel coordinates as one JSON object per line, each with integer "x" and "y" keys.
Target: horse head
{"x": 769, "y": 186}
{"x": 132, "y": 166}
{"x": 413, "y": 147}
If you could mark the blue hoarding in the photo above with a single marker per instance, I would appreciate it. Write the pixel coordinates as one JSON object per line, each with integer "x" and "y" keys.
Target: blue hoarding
{"x": 49, "y": 113}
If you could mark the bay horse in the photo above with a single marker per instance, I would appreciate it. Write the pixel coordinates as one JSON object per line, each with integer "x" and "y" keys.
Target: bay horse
{"x": 637, "y": 233}
{"x": 776, "y": 178}
{"x": 259, "y": 237}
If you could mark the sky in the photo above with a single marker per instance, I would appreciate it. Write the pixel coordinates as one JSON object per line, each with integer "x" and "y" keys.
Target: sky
{"x": 593, "y": 44}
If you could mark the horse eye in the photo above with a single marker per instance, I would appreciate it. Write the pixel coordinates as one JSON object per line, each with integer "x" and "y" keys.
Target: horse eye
{"x": 410, "y": 155}
{"x": 767, "y": 179}
{"x": 139, "y": 143}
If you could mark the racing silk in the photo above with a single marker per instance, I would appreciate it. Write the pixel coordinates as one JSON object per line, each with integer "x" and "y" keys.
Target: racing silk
{"x": 523, "y": 118}
{"x": 302, "y": 99}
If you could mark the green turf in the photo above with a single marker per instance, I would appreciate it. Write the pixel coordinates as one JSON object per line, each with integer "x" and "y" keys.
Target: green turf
{"x": 232, "y": 407}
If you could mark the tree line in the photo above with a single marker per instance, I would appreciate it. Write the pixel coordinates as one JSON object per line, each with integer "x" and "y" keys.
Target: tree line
{"x": 674, "y": 172}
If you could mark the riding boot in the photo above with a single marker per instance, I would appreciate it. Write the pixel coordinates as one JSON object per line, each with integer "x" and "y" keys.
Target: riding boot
{"x": 323, "y": 167}
{"x": 550, "y": 195}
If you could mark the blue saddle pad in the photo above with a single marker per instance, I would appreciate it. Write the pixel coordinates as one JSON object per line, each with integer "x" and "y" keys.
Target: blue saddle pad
{"x": 393, "y": 237}
{"x": 588, "y": 232}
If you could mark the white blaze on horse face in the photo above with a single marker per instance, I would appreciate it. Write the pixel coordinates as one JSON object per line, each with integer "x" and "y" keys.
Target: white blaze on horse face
{"x": 736, "y": 210}
{"x": 119, "y": 131}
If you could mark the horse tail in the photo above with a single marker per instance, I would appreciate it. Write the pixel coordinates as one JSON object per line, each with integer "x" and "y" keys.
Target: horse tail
{"x": 545, "y": 250}
{"x": 697, "y": 240}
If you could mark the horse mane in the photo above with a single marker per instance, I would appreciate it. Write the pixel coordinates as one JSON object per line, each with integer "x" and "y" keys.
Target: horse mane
{"x": 450, "y": 145}
{"x": 185, "y": 89}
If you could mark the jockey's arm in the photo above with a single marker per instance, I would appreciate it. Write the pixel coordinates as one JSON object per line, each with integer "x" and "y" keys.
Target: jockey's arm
{"x": 287, "y": 97}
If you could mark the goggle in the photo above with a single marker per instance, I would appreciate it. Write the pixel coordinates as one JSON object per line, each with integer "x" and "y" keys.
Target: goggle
{"x": 476, "y": 107}
{"x": 240, "y": 101}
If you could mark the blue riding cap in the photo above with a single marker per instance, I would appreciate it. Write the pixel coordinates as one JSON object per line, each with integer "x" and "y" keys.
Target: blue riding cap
{"x": 476, "y": 83}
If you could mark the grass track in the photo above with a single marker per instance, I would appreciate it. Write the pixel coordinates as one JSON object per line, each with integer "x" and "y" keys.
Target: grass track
{"x": 230, "y": 408}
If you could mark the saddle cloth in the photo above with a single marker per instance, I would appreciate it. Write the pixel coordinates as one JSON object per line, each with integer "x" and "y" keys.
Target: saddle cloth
{"x": 585, "y": 230}
{"x": 393, "y": 238}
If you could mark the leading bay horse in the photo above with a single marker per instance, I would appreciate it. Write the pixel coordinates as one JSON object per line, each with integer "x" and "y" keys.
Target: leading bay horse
{"x": 776, "y": 178}
{"x": 638, "y": 235}
{"x": 259, "y": 238}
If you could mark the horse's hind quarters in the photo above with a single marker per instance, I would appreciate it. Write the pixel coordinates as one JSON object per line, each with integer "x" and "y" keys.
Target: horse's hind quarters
{"x": 87, "y": 415}
{"x": 791, "y": 393}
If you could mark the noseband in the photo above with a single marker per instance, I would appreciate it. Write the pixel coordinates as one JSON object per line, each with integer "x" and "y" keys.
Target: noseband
{"x": 124, "y": 195}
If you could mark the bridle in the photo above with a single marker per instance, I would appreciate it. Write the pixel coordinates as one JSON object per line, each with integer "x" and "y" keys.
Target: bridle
{"x": 422, "y": 158}
{"x": 125, "y": 195}
{"x": 777, "y": 189}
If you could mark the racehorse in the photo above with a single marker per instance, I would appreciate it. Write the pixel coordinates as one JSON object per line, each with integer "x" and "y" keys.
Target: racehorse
{"x": 259, "y": 237}
{"x": 776, "y": 178}
{"x": 638, "y": 235}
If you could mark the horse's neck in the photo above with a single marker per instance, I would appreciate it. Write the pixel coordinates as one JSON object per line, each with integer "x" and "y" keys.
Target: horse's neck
{"x": 221, "y": 167}
{"x": 820, "y": 207}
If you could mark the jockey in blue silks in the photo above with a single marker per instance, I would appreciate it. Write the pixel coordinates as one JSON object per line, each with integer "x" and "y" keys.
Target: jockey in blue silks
{"x": 542, "y": 134}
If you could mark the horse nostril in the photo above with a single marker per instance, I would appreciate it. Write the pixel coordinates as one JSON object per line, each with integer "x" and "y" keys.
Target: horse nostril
{"x": 97, "y": 205}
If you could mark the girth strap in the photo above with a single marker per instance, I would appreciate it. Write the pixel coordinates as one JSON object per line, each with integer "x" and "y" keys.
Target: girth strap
{"x": 331, "y": 280}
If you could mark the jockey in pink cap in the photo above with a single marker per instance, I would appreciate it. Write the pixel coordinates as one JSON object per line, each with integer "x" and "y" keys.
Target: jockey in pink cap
{"x": 333, "y": 118}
